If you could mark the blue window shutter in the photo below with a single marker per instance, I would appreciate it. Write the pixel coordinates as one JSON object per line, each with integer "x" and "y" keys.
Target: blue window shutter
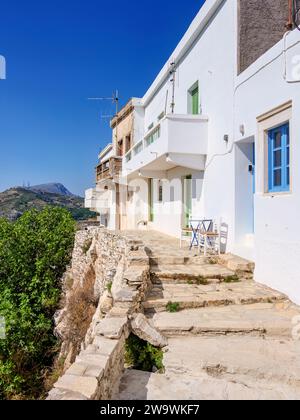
{"x": 278, "y": 159}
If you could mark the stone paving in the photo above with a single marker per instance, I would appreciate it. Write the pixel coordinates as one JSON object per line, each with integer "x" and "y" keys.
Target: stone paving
{"x": 229, "y": 341}
{"x": 190, "y": 296}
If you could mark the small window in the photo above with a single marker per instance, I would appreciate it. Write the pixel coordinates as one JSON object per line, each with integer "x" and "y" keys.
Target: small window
{"x": 279, "y": 158}
{"x": 150, "y": 126}
{"x": 161, "y": 116}
{"x": 193, "y": 99}
{"x": 160, "y": 192}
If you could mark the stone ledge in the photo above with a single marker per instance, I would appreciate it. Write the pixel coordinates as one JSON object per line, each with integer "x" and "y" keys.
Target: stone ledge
{"x": 85, "y": 369}
{"x": 112, "y": 328}
{"x": 62, "y": 394}
{"x": 87, "y": 386}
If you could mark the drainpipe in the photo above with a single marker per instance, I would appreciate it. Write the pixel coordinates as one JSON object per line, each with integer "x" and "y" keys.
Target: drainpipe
{"x": 290, "y": 24}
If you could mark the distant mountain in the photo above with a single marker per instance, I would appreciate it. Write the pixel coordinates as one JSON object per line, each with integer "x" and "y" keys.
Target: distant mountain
{"x": 15, "y": 201}
{"x": 52, "y": 188}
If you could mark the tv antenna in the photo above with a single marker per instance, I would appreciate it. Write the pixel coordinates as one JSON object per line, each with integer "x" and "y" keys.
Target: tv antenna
{"x": 114, "y": 98}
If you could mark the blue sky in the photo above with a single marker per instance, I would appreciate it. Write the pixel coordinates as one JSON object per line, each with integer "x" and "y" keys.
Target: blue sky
{"x": 58, "y": 54}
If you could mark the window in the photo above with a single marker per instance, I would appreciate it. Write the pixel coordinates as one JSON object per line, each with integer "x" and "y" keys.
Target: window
{"x": 161, "y": 116}
{"x": 279, "y": 159}
{"x": 138, "y": 148}
{"x": 151, "y": 138}
{"x": 193, "y": 99}
{"x": 160, "y": 192}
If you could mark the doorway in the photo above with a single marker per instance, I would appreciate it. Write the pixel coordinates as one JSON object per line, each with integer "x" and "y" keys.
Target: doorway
{"x": 244, "y": 193}
{"x": 187, "y": 200}
{"x": 150, "y": 200}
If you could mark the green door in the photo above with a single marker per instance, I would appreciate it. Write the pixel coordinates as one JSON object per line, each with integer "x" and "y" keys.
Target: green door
{"x": 187, "y": 199}
{"x": 150, "y": 197}
{"x": 195, "y": 101}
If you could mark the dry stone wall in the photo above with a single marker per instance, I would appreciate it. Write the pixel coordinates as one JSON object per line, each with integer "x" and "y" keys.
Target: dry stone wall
{"x": 120, "y": 270}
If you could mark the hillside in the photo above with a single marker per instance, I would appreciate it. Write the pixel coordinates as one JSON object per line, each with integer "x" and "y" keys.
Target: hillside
{"x": 15, "y": 201}
{"x": 52, "y": 188}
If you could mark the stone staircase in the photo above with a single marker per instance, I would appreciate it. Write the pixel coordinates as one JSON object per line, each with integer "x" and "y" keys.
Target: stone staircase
{"x": 228, "y": 338}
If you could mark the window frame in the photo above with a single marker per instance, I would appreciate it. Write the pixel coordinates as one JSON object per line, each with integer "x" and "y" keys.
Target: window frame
{"x": 284, "y": 166}
{"x": 192, "y": 91}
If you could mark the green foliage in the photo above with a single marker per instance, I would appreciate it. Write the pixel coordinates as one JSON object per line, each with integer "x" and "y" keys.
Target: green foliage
{"x": 232, "y": 279}
{"x": 202, "y": 281}
{"x": 141, "y": 355}
{"x": 173, "y": 307}
{"x": 34, "y": 253}
{"x": 81, "y": 214}
{"x": 109, "y": 286}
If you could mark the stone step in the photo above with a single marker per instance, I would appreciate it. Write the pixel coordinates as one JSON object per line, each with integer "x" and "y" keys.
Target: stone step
{"x": 142, "y": 386}
{"x": 237, "y": 264}
{"x": 237, "y": 358}
{"x": 168, "y": 259}
{"x": 194, "y": 296}
{"x": 255, "y": 319}
{"x": 199, "y": 274}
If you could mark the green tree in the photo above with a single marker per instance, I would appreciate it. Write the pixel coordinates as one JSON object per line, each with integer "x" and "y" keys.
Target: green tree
{"x": 34, "y": 253}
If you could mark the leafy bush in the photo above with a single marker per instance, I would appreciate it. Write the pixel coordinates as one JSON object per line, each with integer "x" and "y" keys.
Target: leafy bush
{"x": 34, "y": 253}
{"x": 141, "y": 355}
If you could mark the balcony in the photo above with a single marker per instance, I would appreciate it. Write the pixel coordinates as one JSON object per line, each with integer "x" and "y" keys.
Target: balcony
{"x": 178, "y": 140}
{"x": 98, "y": 200}
{"x": 109, "y": 169}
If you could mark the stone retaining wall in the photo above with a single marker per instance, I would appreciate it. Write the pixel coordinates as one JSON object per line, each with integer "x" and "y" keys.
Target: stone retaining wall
{"x": 98, "y": 367}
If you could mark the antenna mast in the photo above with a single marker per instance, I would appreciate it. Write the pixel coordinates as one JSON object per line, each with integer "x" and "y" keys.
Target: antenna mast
{"x": 173, "y": 74}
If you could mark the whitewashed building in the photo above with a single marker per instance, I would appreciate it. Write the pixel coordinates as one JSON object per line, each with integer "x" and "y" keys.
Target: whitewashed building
{"x": 217, "y": 137}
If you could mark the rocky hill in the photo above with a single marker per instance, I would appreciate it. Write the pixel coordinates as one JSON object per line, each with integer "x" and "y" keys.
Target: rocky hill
{"x": 52, "y": 188}
{"x": 15, "y": 201}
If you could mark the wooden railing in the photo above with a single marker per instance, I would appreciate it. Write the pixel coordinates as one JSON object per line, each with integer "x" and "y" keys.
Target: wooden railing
{"x": 109, "y": 169}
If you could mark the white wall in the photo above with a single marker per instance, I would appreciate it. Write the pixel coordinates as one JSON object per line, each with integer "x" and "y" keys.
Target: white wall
{"x": 277, "y": 222}
{"x": 168, "y": 215}
{"x": 211, "y": 62}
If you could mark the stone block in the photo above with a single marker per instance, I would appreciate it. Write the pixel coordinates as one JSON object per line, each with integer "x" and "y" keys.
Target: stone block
{"x": 141, "y": 327}
{"x": 112, "y": 327}
{"x": 86, "y": 386}
{"x": 104, "y": 345}
{"x": 84, "y": 369}
{"x": 62, "y": 394}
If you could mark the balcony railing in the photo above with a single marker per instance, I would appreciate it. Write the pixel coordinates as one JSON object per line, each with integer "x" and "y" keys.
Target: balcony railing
{"x": 97, "y": 200}
{"x": 183, "y": 138}
{"x": 109, "y": 169}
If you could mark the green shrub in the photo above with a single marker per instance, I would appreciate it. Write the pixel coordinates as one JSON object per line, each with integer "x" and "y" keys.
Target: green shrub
{"x": 173, "y": 307}
{"x": 201, "y": 281}
{"x": 141, "y": 355}
{"x": 232, "y": 279}
{"x": 34, "y": 253}
{"x": 109, "y": 286}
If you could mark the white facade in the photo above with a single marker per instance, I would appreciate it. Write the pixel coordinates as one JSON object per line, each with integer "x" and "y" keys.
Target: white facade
{"x": 222, "y": 151}
{"x": 259, "y": 90}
